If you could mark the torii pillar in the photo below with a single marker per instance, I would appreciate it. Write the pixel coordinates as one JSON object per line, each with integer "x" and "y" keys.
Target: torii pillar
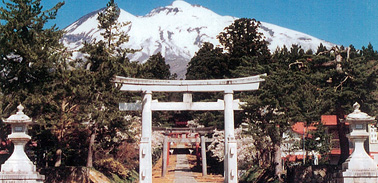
{"x": 227, "y": 86}
{"x": 145, "y": 154}
{"x": 230, "y": 148}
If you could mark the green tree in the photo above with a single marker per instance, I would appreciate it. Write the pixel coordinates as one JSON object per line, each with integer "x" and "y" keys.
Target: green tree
{"x": 208, "y": 63}
{"x": 268, "y": 112}
{"x": 26, "y": 50}
{"x": 242, "y": 38}
{"x": 156, "y": 68}
{"x": 246, "y": 47}
{"x": 321, "y": 49}
{"x": 60, "y": 117}
{"x": 342, "y": 82}
{"x": 287, "y": 96}
{"x": 30, "y": 54}
{"x": 369, "y": 53}
{"x": 105, "y": 60}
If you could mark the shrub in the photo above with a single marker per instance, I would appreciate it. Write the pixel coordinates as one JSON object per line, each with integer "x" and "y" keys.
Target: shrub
{"x": 110, "y": 166}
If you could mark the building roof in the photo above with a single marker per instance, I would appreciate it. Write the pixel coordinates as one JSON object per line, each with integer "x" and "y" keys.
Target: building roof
{"x": 300, "y": 128}
{"x": 329, "y": 120}
{"x": 337, "y": 151}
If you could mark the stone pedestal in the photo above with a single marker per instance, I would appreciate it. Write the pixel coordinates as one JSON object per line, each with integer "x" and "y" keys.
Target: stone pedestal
{"x": 18, "y": 168}
{"x": 359, "y": 167}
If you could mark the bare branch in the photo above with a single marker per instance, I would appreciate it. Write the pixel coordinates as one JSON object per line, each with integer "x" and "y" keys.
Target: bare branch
{"x": 342, "y": 82}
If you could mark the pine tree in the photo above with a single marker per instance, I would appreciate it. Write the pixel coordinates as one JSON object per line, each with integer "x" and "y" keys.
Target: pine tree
{"x": 156, "y": 68}
{"x": 106, "y": 59}
{"x": 29, "y": 54}
{"x": 26, "y": 49}
{"x": 62, "y": 118}
{"x": 355, "y": 81}
{"x": 369, "y": 53}
{"x": 287, "y": 96}
{"x": 242, "y": 38}
{"x": 321, "y": 49}
{"x": 246, "y": 46}
{"x": 208, "y": 63}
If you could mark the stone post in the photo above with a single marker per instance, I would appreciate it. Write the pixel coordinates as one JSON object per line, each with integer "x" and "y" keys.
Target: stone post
{"x": 203, "y": 154}
{"x": 229, "y": 133}
{"x": 165, "y": 156}
{"x": 145, "y": 156}
{"x": 198, "y": 153}
{"x": 18, "y": 168}
{"x": 359, "y": 167}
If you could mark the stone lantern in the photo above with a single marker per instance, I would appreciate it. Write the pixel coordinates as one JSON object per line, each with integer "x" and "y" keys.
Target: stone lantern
{"x": 359, "y": 167}
{"x": 18, "y": 168}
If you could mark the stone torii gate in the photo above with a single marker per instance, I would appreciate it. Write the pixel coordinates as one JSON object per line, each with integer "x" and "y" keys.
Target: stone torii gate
{"x": 147, "y": 86}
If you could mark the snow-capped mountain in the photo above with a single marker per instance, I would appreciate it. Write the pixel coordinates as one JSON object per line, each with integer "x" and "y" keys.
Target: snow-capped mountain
{"x": 178, "y": 31}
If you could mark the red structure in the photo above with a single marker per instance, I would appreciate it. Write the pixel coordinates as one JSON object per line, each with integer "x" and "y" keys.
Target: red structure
{"x": 330, "y": 122}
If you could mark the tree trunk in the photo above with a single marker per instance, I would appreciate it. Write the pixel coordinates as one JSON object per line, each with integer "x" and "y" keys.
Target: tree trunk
{"x": 278, "y": 161}
{"x": 343, "y": 140}
{"x": 90, "y": 149}
{"x": 58, "y": 160}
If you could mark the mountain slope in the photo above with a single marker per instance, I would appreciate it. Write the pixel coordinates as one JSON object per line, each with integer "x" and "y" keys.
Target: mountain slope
{"x": 178, "y": 31}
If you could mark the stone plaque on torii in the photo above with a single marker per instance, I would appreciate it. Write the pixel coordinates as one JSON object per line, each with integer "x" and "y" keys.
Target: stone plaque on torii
{"x": 148, "y": 86}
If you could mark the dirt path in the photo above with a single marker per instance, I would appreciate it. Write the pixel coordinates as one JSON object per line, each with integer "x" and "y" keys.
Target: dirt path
{"x": 169, "y": 177}
{"x": 213, "y": 178}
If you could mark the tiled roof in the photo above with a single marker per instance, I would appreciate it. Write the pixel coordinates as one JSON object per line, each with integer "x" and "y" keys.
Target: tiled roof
{"x": 300, "y": 128}
{"x": 338, "y": 151}
{"x": 329, "y": 120}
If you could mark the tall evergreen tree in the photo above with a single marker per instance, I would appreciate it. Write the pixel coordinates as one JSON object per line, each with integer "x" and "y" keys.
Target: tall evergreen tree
{"x": 208, "y": 63}
{"x": 245, "y": 45}
{"x": 105, "y": 60}
{"x": 242, "y": 38}
{"x": 354, "y": 80}
{"x": 60, "y": 132}
{"x": 287, "y": 96}
{"x": 156, "y": 68}
{"x": 26, "y": 50}
{"x": 29, "y": 56}
{"x": 369, "y": 53}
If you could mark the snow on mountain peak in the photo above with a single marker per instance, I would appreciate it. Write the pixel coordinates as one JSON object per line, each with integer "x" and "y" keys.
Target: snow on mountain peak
{"x": 178, "y": 6}
{"x": 181, "y": 4}
{"x": 178, "y": 31}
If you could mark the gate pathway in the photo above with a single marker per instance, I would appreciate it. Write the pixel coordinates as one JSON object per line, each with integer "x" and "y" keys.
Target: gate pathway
{"x": 183, "y": 174}
{"x": 179, "y": 170}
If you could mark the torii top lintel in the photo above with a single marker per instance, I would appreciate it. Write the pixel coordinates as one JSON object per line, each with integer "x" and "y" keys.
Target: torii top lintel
{"x": 212, "y": 85}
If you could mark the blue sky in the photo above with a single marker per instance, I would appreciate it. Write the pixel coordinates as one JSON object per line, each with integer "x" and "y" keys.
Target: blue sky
{"x": 342, "y": 22}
